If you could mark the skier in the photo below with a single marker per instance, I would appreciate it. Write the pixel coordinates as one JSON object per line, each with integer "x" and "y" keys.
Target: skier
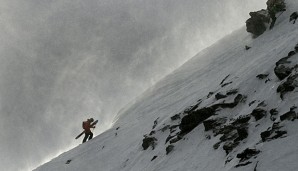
{"x": 87, "y": 126}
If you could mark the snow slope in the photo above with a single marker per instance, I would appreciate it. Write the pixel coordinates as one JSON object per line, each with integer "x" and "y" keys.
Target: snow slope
{"x": 223, "y": 67}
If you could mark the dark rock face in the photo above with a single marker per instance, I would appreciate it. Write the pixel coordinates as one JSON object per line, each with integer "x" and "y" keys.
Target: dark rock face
{"x": 189, "y": 122}
{"x": 258, "y": 113}
{"x": 256, "y": 24}
{"x": 148, "y": 141}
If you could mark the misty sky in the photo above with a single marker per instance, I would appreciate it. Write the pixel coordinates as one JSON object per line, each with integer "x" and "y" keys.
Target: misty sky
{"x": 63, "y": 61}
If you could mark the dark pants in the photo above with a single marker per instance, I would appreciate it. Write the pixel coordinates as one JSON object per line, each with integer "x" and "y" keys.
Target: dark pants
{"x": 88, "y": 134}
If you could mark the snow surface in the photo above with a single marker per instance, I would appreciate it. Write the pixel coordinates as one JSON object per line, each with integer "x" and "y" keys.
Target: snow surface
{"x": 120, "y": 148}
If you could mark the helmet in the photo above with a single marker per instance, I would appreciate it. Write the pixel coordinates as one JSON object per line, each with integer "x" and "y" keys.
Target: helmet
{"x": 91, "y": 119}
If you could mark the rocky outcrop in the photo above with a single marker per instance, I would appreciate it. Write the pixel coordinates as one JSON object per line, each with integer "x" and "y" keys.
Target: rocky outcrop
{"x": 273, "y": 132}
{"x": 289, "y": 85}
{"x": 192, "y": 120}
{"x": 257, "y": 23}
{"x": 274, "y": 7}
{"x": 284, "y": 66}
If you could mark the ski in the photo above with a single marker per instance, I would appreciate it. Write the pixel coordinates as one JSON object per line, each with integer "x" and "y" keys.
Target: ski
{"x": 94, "y": 123}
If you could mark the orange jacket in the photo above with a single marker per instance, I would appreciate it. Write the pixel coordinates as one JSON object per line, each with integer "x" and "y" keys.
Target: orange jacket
{"x": 87, "y": 126}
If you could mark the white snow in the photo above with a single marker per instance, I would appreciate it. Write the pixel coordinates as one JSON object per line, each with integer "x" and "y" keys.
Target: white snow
{"x": 121, "y": 150}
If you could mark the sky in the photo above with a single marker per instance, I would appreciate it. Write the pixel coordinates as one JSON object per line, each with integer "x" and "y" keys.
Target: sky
{"x": 62, "y": 62}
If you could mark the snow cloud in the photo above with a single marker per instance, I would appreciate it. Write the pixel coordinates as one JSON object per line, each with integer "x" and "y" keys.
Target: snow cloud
{"x": 64, "y": 61}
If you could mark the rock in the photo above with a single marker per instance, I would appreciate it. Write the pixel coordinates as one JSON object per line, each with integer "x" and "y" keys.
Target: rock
{"x": 68, "y": 161}
{"x": 291, "y": 53}
{"x": 262, "y": 76}
{"x": 149, "y": 141}
{"x": 281, "y": 71}
{"x": 273, "y": 133}
{"x": 247, "y": 154}
{"x": 220, "y": 96}
{"x": 265, "y": 135}
{"x": 291, "y": 115}
{"x": 154, "y": 157}
{"x": 258, "y": 113}
{"x": 215, "y": 146}
{"x": 169, "y": 149}
{"x": 192, "y": 120}
{"x": 257, "y": 22}
{"x": 175, "y": 117}
{"x": 289, "y": 85}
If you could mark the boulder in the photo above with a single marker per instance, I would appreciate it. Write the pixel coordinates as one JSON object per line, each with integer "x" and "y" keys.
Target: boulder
{"x": 258, "y": 113}
{"x": 148, "y": 141}
{"x": 281, "y": 71}
{"x": 169, "y": 149}
{"x": 257, "y": 23}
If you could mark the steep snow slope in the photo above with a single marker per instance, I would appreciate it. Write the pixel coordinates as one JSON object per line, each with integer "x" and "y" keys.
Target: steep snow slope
{"x": 224, "y": 67}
